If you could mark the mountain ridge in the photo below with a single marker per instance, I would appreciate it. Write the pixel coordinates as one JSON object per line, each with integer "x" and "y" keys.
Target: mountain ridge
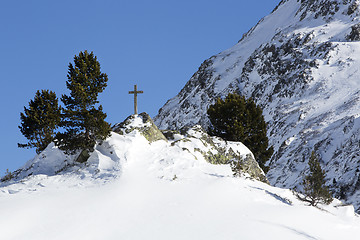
{"x": 300, "y": 64}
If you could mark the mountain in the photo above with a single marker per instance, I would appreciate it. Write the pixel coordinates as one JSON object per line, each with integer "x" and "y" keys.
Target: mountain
{"x": 301, "y": 64}
{"x": 139, "y": 185}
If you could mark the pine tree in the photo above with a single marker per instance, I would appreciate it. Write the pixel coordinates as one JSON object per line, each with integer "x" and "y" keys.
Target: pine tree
{"x": 315, "y": 190}
{"x": 239, "y": 119}
{"x": 84, "y": 124}
{"x": 39, "y": 121}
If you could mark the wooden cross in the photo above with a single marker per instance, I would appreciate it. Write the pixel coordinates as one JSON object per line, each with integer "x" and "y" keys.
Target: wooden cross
{"x": 135, "y": 92}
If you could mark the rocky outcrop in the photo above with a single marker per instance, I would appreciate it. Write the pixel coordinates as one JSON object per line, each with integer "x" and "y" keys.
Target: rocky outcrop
{"x": 355, "y": 33}
{"x": 195, "y": 141}
{"x": 216, "y": 151}
{"x": 146, "y": 127}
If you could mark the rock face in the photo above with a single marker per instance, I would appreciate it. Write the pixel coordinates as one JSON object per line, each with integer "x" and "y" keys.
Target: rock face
{"x": 216, "y": 151}
{"x": 146, "y": 127}
{"x": 301, "y": 65}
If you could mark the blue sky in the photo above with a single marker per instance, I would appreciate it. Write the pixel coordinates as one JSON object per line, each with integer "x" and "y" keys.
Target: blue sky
{"x": 157, "y": 45}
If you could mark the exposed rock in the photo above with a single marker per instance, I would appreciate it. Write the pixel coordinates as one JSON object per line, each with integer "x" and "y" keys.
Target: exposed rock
{"x": 355, "y": 33}
{"x": 217, "y": 151}
{"x": 318, "y": 8}
{"x": 250, "y": 166}
{"x": 147, "y": 128}
{"x": 353, "y": 7}
{"x": 83, "y": 156}
{"x": 170, "y": 134}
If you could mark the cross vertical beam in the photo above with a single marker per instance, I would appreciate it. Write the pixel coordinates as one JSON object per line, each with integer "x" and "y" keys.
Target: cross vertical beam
{"x": 135, "y": 92}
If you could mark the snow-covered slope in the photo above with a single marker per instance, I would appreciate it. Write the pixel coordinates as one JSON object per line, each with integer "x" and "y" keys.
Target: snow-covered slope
{"x": 157, "y": 191}
{"x": 301, "y": 63}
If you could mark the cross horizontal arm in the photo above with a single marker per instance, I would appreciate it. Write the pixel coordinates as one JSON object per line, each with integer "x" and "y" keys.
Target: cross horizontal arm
{"x": 132, "y": 92}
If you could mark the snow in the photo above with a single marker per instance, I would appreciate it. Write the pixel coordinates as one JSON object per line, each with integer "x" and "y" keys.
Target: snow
{"x": 288, "y": 141}
{"x": 131, "y": 189}
{"x": 316, "y": 103}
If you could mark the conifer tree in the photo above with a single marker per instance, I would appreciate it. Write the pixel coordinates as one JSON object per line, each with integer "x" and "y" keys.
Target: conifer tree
{"x": 315, "y": 190}
{"x": 39, "y": 121}
{"x": 239, "y": 119}
{"x": 84, "y": 124}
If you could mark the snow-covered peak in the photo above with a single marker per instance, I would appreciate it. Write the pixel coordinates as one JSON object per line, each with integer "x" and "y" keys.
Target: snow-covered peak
{"x": 135, "y": 121}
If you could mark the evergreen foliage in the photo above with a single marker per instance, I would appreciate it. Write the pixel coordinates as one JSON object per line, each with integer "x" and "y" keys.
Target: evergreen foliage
{"x": 8, "y": 176}
{"x": 39, "y": 121}
{"x": 82, "y": 121}
{"x": 239, "y": 119}
{"x": 315, "y": 190}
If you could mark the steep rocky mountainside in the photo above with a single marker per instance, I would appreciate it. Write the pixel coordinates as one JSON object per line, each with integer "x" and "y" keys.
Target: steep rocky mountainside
{"x": 301, "y": 64}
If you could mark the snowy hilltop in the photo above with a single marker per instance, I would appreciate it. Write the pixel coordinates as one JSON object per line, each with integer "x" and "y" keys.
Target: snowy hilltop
{"x": 301, "y": 64}
{"x": 141, "y": 183}
{"x": 182, "y": 148}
